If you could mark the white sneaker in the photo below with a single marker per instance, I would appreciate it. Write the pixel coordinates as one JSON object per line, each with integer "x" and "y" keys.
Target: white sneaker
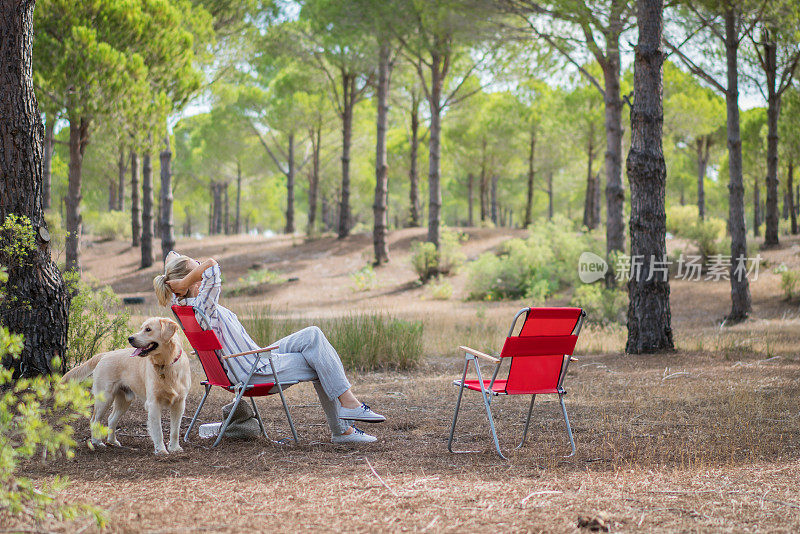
{"x": 356, "y": 436}
{"x": 362, "y": 413}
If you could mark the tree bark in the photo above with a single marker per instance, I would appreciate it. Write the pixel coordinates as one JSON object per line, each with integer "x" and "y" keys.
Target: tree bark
{"x": 792, "y": 199}
{"x": 529, "y": 195}
{"x": 773, "y": 112}
{"x": 167, "y": 225}
{"x": 49, "y": 147}
{"x": 226, "y": 227}
{"x": 379, "y": 208}
{"x": 78, "y": 137}
{"x": 615, "y": 192}
{"x": 238, "y": 223}
{"x": 112, "y": 194}
{"x": 740, "y": 286}
{"x": 550, "y": 196}
{"x": 495, "y": 218}
{"x": 756, "y": 208}
{"x": 122, "y": 168}
{"x": 703, "y": 144}
{"x": 415, "y": 214}
{"x": 136, "y": 216}
{"x": 484, "y": 184}
{"x": 348, "y": 101}
{"x": 649, "y": 316}
{"x": 438, "y": 72}
{"x": 588, "y": 204}
{"x": 289, "y": 187}
{"x": 313, "y": 180}
{"x": 470, "y": 193}
{"x": 147, "y": 212}
{"x": 37, "y": 301}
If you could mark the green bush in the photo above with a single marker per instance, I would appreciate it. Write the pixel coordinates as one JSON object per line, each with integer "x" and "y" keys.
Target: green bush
{"x": 708, "y": 235}
{"x": 602, "y": 306}
{"x": 252, "y": 283}
{"x": 429, "y": 262}
{"x": 532, "y": 268}
{"x": 364, "y": 279}
{"x": 441, "y": 289}
{"x": 790, "y": 283}
{"x": 681, "y": 218}
{"x": 110, "y": 225}
{"x": 92, "y": 326}
{"x": 364, "y": 341}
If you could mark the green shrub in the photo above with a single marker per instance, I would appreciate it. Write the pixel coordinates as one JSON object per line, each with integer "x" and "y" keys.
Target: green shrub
{"x": 708, "y": 235}
{"x": 364, "y": 279}
{"x": 429, "y": 262}
{"x": 790, "y": 283}
{"x": 364, "y": 341}
{"x": 681, "y": 218}
{"x": 532, "y": 268}
{"x": 92, "y": 326}
{"x": 441, "y": 289}
{"x": 252, "y": 283}
{"x": 110, "y": 225}
{"x": 602, "y": 306}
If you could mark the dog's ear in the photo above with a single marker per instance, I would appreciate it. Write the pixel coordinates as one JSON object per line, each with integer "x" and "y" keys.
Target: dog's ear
{"x": 168, "y": 327}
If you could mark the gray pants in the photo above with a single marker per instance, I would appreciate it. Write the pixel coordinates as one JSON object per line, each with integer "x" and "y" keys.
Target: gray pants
{"x": 308, "y": 356}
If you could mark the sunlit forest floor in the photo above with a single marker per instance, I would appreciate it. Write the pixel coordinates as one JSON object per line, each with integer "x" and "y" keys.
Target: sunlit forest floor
{"x": 705, "y": 439}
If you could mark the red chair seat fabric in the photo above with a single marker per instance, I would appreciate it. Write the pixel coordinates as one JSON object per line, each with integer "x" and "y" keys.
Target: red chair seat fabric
{"x": 500, "y": 387}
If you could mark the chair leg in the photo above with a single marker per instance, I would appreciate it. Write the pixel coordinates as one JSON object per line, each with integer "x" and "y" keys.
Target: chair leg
{"x": 196, "y": 413}
{"x": 288, "y": 415}
{"x": 230, "y": 416}
{"x": 487, "y": 405}
{"x": 569, "y": 428}
{"x": 527, "y": 423}
{"x": 455, "y": 414}
{"x": 258, "y": 416}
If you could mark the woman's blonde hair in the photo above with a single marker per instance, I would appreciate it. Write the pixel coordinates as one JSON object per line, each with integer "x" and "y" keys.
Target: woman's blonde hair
{"x": 176, "y": 267}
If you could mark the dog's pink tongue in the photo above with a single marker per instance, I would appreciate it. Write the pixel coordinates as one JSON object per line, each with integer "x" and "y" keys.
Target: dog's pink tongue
{"x": 137, "y": 351}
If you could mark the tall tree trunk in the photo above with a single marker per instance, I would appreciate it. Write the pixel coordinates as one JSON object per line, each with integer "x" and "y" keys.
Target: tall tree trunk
{"x": 649, "y": 316}
{"x": 313, "y": 180}
{"x": 550, "y": 196}
{"x": 136, "y": 216}
{"x": 167, "y": 225}
{"x": 78, "y": 137}
{"x": 414, "y": 214}
{"x": 598, "y": 191}
{"x": 112, "y": 193}
{"x": 218, "y": 207}
{"x": 495, "y": 219}
{"x": 348, "y": 101}
{"x": 615, "y": 192}
{"x": 147, "y": 211}
{"x": 37, "y": 302}
{"x": 49, "y": 147}
{"x": 325, "y": 213}
{"x": 122, "y": 168}
{"x": 756, "y": 209}
{"x": 773, "y": 111}
{"x": 740, "y": 286}
{"x": 786, "y": 206}
{"x": 238, "y": 224}
{"x": 470, "y": 193}
{"x": 434, "y": 187}
{"x": 226, "y": 227}
{"x": 379, "y": 208}
{"x": 529, "y": 196}
{"x": 588, "y": 203}
{"x": 484, "y": 184}
{"x": 289, "y": 187}
{"x": 703, "y": 147}
{"x": 792, "y": 198}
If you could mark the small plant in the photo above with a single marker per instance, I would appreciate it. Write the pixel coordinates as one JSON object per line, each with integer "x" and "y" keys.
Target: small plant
{"x": 17, "y": 238}
{"x": 92, "y": 325}
{"x": 602, "y": 306}
{"x": 253, "y": 282}
{"x": 112, "y": 225}
{"x": 364, "y": 279}
{"x": 441, "y": 289}
{"x": 429, "y": 262}
{"x": 790, "y": 283}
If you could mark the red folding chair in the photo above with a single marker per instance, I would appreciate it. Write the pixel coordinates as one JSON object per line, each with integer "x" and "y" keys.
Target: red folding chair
{"x": 539, "y": 356}
{"x": 206, "y": 344}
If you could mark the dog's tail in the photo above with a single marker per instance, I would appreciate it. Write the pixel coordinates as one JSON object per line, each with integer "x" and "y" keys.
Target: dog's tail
{"x": 84, "y": 370}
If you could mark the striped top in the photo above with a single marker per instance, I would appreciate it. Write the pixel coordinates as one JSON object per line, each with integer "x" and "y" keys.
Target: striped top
{"x": 232, "y": 335}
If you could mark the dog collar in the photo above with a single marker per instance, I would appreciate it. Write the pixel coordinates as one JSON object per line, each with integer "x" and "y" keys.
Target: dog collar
{"x": 163, "y": 373}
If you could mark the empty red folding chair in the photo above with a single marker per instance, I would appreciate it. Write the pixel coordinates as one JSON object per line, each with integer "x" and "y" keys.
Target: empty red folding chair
{"x": 206, "y": 344}
{"x": 539, "y": 356}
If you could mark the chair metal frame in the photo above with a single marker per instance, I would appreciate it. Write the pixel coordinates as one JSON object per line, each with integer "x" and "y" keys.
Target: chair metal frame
{"x": 472, "y": 355}
{"x": 241, "y": 387}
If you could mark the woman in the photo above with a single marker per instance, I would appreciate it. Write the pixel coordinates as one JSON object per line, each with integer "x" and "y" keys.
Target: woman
{"x": 303, "y": 356}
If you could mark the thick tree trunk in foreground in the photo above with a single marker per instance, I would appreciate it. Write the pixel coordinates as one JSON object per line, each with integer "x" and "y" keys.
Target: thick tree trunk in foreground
{"x": 167, "y": 226}
{"x": 740, "y": 286}
{"x": 37, "y": 302}
{"x": 379, "y": 208}
{"x": 438, "y": 73}
{"x": 529, "y": 191}
{"x": 147, "y": 212}
{"x": 78, "y": 137}
{"x": 289, "y": 229}
{"x": 348, "y": 101}
{"x": 49, "y": 147}
{"x": 649, "y": 317}
{"x": 414, "y": 215}
{"x": 136, "y": 216}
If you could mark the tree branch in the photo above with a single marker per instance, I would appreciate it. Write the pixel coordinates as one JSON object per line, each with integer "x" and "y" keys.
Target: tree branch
{"x": 696, "y": 69}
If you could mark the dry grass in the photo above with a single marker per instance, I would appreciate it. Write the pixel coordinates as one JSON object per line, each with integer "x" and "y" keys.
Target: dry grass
{"x": 705, "y": 439}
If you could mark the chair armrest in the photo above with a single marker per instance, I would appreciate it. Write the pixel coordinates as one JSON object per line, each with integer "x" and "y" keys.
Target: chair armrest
{"x": 256, "y": 351}
{"x": 479, "y": 354}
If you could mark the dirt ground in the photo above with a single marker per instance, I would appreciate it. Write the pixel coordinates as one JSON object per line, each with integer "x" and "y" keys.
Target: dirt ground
{"x": 705, "y": 439}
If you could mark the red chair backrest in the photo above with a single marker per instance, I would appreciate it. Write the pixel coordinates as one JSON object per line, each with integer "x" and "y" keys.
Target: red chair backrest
{"x": 205, "y": 343}
{"x": 537, "y": 353}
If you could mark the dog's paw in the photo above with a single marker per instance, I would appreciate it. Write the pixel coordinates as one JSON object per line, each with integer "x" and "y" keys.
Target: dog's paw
{"x": 161, "y": 452}
{"x": 114, "y": 442}
{"x": 175, "y": 448}
{"x": 95, "y": 444}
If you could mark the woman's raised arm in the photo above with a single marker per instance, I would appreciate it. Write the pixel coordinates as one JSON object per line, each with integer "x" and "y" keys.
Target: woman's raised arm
{"x": 181, "y": 286}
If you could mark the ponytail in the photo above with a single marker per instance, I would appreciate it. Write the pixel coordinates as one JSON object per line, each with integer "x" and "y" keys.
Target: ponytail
{"x": 177, "y": 267}
{"x": 163, "y": 292}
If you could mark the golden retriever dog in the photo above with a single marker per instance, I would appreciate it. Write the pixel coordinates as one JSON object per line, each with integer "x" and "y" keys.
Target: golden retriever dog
{"x": 156, "y": 369}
